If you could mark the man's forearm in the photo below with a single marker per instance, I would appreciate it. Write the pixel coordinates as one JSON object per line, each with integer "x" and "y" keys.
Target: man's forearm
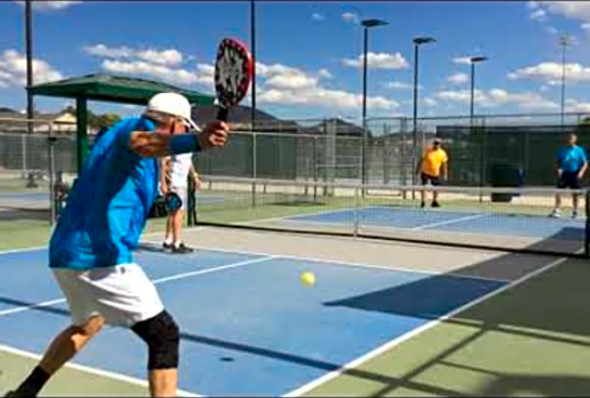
{"x": 154, "y": 145}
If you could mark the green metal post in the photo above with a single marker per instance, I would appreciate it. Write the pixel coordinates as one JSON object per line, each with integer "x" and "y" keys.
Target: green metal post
{"x": 81, "y": 133}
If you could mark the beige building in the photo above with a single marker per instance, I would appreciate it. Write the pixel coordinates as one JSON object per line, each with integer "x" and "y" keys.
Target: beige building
{"x": 16, "y": 122}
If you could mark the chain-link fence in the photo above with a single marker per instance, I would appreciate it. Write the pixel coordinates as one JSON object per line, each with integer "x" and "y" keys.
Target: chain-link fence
{"x": 484, "y": 150}
{"x": 30, "y": 167}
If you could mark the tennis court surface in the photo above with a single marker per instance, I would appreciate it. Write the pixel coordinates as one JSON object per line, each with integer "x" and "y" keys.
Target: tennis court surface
{"x": 378, "y": 317}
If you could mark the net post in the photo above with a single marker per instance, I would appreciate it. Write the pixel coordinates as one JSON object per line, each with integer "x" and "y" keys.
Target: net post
{"x": 587, "y": 226}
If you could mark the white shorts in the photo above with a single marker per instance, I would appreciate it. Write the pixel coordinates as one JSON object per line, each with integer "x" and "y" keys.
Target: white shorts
{"x": 182, "y": 192}
{"x": 122, "y": 294}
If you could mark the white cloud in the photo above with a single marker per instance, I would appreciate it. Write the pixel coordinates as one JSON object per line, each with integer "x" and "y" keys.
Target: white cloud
{"x": 351, "y": 17}
{"x": 379, "y": 61}
{"x": 574, "y": 10}
{"x": 13, "y": 70}
{"x": 162, "y": 57}
{"x": 324, "y": 73}
{"x": 572, "y": 105}
{"x": 287, "y": 85}
{"x": 551, "y": 72}
{"x": 498, "y": 97}
{"x": 462, "y": 60}
{"x": 397, "y": 85}
{"x": 316, "y": 16}
{"x": 430, "y": 102}
{"x": 325, "y": 98}
{"x": 538, "y": 15}
{"x": 165, "y": 73}
{"x": 458, "y": 78}
{"x": 51, "y": 5}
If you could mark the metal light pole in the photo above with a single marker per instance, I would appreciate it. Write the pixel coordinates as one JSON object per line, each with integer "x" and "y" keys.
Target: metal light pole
{"x": 417, "y": 42}
{"x": 482, "y": 172}
{"x": 29, "y": 55}
{"x": 564, "y": 42}
{"x": 367, "y": 24}
{"x": 253, "y": 51}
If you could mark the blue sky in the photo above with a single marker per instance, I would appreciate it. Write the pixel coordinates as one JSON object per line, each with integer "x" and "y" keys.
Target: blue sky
{"x": 308, "y": 52}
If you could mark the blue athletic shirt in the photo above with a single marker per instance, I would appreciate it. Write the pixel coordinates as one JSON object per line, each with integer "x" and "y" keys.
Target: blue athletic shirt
{"x": 108, "y": 206}
{"x": 571, "y": 158}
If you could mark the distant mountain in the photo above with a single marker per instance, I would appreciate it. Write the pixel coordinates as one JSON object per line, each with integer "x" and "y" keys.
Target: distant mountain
{"x": 238, "y": 114}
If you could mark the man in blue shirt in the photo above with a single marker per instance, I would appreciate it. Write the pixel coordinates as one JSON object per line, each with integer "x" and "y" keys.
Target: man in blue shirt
{"x": 90, "y": 252}
{"x": 570, "y": 166}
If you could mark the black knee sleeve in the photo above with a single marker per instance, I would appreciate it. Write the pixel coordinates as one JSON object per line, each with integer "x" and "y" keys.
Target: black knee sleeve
{"x": 162, "y": 336}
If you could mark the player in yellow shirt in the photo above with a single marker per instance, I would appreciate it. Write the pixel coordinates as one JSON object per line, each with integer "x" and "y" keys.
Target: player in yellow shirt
{"x": 433, "y": 168}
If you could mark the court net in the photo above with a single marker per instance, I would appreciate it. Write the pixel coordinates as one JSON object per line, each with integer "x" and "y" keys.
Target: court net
{"x": 510, "y": 219}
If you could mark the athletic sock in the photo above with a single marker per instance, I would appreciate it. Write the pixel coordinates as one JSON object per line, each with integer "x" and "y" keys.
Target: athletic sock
{"x": 34, "y": 383}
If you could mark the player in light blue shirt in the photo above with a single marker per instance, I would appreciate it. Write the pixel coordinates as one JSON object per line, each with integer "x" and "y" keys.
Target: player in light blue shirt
{"x": 570, "y": 166}
{"x": 90, "y": 252}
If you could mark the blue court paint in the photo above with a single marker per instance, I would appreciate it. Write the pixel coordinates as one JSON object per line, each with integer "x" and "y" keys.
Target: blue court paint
{"x": 255, "y": 330}
{"x": 25, "y": 279}
{"x": 383, "y": 216}
{"x": 525, "y": 226}
{"x": 488, "y": 223}
{"x": 31, "y": 280}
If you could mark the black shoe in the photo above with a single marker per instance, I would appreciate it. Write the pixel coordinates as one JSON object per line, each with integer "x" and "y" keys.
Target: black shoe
{"x": 11, "y": 394}
{"x": 422, "y": 205}
{"x": 182, "y": 249}
{"x": 167, "y": 246}
{"x": 435, "y": 204}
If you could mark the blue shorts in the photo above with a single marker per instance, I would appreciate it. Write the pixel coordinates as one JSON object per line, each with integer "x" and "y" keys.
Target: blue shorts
{"x": 569, "y": 179}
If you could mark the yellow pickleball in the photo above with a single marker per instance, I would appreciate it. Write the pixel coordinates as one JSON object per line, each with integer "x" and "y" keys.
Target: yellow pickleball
{"x": 308, "y": 278}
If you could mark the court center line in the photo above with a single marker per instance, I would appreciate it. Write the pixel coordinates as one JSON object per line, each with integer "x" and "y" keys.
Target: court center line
{"x": 94, "y": 371}
{"x": 155, "y": 282}
{"x": 398, "y": 340}
{"x": 447, "y": 222}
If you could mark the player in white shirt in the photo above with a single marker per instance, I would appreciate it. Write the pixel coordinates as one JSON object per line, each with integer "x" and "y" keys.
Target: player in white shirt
{"x": 175, "y": 171}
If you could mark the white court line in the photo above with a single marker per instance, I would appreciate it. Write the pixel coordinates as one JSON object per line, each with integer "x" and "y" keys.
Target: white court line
{"x": 24, "y": 249}
{"x": 349, "y": 263}
{"x": 209, "y": 270}
{"x": 447, "y": 222}
{"x": 98, "y": 372}
{"x": 398, "y": 340}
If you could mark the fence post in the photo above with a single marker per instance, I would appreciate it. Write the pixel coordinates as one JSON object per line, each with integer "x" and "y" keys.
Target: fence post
{"x": 24, "y": 152}
{"x": 587, "y": 232}
{"x": 483, "y": 161}
{"x": 254, "y": 168}
{"x": 52, "y": 193}
{"x": 315, "y": 168}
{"x": 356, "y": 211}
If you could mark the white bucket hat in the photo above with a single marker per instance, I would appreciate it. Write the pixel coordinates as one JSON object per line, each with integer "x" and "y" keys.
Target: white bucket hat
{"x": 172, "y": 104}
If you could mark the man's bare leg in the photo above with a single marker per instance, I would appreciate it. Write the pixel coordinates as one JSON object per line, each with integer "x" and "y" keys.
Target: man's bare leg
{"x": 163, "y": 382}
{"x": 63, "y": 348}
